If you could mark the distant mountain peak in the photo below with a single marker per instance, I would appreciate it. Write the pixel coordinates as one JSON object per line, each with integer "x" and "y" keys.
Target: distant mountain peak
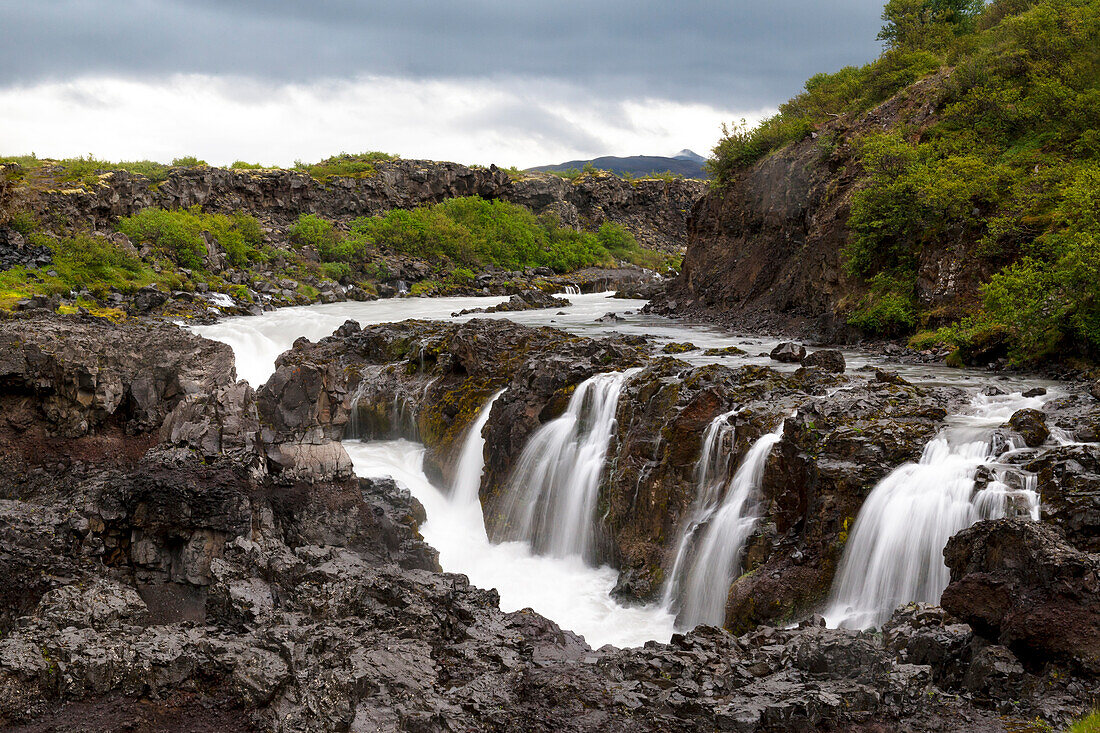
{"x": 685, "y": 163}
{"x": 691, "y": 155}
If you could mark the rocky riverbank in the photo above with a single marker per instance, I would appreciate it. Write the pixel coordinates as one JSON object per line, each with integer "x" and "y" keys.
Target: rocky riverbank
{"x": 66, "y": 247}
{"x": 181, "y": 547}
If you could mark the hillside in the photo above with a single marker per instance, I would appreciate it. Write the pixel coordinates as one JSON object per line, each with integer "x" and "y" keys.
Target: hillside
{"x": 946, "y": 192}
{"x": 89, "y": 234}
{"x": 685, "y": 163}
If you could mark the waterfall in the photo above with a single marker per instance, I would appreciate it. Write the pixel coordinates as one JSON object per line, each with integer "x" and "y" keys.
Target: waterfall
{"x": 403, "y": 415}
{"x": 711, "y": 475}
{"x": 554, "y": 486}
{"x": 894, "y": 554}
{"x": 706, "y": 565}
{"x": 471, "y": 461}
{"x": 571, "y": 290}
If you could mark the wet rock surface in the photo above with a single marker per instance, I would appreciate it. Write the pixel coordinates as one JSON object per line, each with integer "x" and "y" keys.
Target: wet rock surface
{"x": 220, "y": 569}
{"x": 1020, "y": 583}
{"x": 525, "y": 300}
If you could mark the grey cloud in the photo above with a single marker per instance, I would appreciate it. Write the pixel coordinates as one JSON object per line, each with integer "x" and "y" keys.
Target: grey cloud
{"x": 732, "y": 53}
{"x": 522, "y": 120}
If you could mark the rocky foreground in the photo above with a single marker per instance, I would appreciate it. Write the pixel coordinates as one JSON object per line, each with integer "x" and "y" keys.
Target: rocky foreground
{"x": 184, "y": 552}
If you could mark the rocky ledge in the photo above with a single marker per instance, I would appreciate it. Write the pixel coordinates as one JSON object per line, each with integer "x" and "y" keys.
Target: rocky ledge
{"x": 185, "y": 552}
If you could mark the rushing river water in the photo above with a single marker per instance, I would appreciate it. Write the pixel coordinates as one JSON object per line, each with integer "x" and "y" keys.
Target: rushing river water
{"x": 545, "y": 568}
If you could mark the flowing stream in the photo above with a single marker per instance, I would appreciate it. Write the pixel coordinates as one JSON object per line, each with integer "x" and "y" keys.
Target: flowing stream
{"x": 710, "y": 548}
{"x": 552, "y": 491}
{"x": 894, "y": 553}
{"x": 892, "y": 556}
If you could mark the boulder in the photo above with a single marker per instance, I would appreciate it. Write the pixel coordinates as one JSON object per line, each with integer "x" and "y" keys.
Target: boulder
{"x": 830, "y": 360}
{"x": 789, "y": 352}
{"x": 1031, "y": 425}
{"x": 1020, "y": 584}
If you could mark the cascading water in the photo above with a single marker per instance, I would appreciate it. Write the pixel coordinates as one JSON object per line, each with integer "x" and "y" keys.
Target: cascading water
{"x": 710, "y": 549}
{"x": 568, "y": 590}
{"x": 471, "y": 461}
{"x": 554, "y": 486}
{"x": 711, "y": 478}
{"x": 895, "y": 551}
{"x": 571, "y": 290}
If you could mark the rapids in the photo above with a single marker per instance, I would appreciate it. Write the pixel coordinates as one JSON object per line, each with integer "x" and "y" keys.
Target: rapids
{"x": 566, "y": 589}
{"x": 893, "y": 553}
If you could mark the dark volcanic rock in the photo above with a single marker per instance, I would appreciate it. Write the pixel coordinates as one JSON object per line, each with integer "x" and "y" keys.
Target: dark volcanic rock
{"x": 830, "y": 360}
{"x": 84, "y": 373}
{"x": 789, "y": 352}
{"x": 766, "y": 250}
{"x": 1020, "y": 584}
{"x": 200, "y": 584}
{"x": 654, "y": 210}
{"x": 1031, "y": 425}
{"x": 1068, "y": 479}
{"x": 525, "y": 300}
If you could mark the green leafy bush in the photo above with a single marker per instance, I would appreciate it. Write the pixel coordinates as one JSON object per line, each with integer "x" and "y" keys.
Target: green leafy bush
{"x": 888, "y": 309}
{"x": 188, "y": 161}
{"x": 179, "y": 234}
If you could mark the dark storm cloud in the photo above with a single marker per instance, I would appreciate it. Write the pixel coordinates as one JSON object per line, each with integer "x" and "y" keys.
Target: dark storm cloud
{"x": 733, "y": 53}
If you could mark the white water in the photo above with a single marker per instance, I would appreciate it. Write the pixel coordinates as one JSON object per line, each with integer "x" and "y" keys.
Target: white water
{"x": 565, "y": 589}
{"x": 552, "y": 491}
{"x": 466, "y": 487}
{"x": 894, "y": 554}
{"x": 572, "y": 593}
{"x": 705, "y": 567}
{"x": 258, "y": 340}
{"x": 711, "y": 477}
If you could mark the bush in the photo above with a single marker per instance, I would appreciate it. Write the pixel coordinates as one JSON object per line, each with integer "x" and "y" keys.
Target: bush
{"x": 178, "y": 234}
{"x": 888, "y": 309}
{"x": 474, "y": 232}
{"x": 188, "y": 161}
{"x": 242, "y": 165}
{"x": 346, "y": 165}
{"x": 461, "y": 276}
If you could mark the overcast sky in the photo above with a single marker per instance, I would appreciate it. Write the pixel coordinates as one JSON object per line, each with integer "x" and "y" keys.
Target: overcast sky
{"x": 512, "y": 82}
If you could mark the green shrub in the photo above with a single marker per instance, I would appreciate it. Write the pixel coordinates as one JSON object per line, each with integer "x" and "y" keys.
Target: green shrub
{"x": 243, "y": 165}
{"x": 461, "y": 276}
{"x": 24, "y": 222}
{"x": 335, "y": 270}
{"x": 188, "y": 161}
{"x": 179, "y": 234}
{"x": 346, "y": 165}
{"x": 622, "y": 245}
{"x": 888, "y": 309}
{"x": 474, "y": 232}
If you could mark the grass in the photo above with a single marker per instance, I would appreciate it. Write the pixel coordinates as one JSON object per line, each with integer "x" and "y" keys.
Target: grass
{"x": 86, "y": 170}
{"x": 346, "y": 165}
{"x": 1088, "y": 724}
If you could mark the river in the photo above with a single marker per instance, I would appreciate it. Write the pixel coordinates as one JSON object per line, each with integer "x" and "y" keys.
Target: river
{"x": 559, "y": 585}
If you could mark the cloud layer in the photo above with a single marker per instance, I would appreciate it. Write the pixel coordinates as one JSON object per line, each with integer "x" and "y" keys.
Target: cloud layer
{"x": 559, "y": 79}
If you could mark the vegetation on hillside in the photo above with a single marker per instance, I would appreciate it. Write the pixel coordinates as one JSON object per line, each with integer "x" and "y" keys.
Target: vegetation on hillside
{"x": 85, "y": 170}
{"x": 346, "y": 165}
{"x": 472, "y": 232}
{"x": 1009, "y": 166}
{"x": 179, "y": 234}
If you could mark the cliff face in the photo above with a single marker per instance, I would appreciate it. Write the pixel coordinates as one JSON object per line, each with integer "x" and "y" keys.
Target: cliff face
{"x": 654, "y": 210}
{"x": 766, "y": 251}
